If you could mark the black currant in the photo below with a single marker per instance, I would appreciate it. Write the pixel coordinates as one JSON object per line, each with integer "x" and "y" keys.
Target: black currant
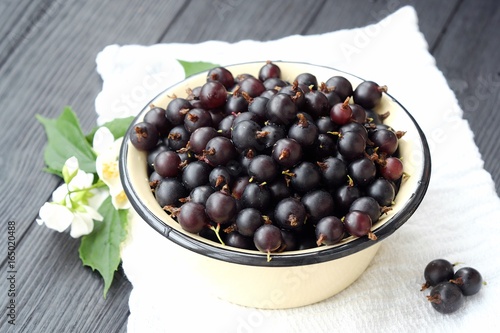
{"x": 446, "y": 297}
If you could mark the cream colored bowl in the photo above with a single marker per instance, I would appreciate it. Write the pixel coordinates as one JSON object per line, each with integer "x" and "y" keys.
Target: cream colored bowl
{"x": 293, "y": 278}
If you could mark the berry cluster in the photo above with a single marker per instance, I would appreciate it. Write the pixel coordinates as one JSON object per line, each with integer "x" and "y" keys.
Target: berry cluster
{"x": 272, "y": 165}
{"x": 450, "y": 287}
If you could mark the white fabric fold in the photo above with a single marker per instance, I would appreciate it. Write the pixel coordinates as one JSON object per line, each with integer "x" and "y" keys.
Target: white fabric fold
{"x": 458, "y": 219}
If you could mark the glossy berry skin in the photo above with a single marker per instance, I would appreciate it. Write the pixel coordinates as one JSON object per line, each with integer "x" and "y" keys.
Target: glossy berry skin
{"x": 306, "y": 177}
{"x": 281, "y": 109}
{"x": 157, "y": 117}
{"x": 358, "y": 113}
{"x": 176, "y": 110}
{"x": 235, "y": 239}
{"x": 196, "y": 118}
{"x": 290, "y": 214}
{"x": 273, "y": 133}
{"x": 195, "y": 174}
{"x": 256, "y": 196}
{"x": 344, "y": 196}
{"x": 308, "y": 80}
{"x": 329, "y": 231}
{"x": 392, "y": 168}
{"x": 446, "y": 297}
{"x": 200, "y": 194}
{"x": 382, "y": 190}
{"x": 192, "y": 217}
{"x": 219, "y": 177}
{"x": 287, "y": 152}
{"x": 167, "y": 164}
{"x": 357, "y": 223}
{"x": 200, "y": 137}
{"x": 221, "y": 207}
{"x": 268, "y": 71}
{"x": 351, "y": 145}
{"x": 258, "y": 106}
{"x": 248, "y": 221}
{"x": 245, "y": 135}
{"x": 341, "y": 113}
{"x": 267, "y": 238}
{"x": 368, "y": 94}
{"x": 316, "y": 104}
{"x": 333, "y": 171}
{"x": 236, "y": 103}
{"x": 239, "y": 186}
{"x": 262, "y": 168}
{"x": 144, "y": 136}
{"x": 296, "y": 94}
{"x": 318, "y": 204}
{"x": 367, "y": 205}
{"x": 341, "y": 86}
{"x": 222, "y": 75}
{"x": 169, "y": 191}
{"x": 289, "y": 240}
{"x": 324, "y": 147}
{"x": 279, "y": 189}
{"x": 225, "y": 126}
{"x": 303, "y": 131}
{"x": 362, "y": 171}
{"x": 213, "y": 94}
{"x": 274, "y": 83}
{"x": 178, "y": 137}
{"x": 385, "y": 140}
{"x": 437, "y": 271}
{"x": 153, "y": 153}
{"x": 219, "y": 151}
{"x": 252, "y": 86}
{"x": 469, "y": 280}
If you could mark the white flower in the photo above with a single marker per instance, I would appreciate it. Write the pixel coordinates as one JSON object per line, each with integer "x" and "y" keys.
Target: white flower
{"x": 55, "y": 216}
{"x": 108, "y": 151}
{"x": 70, "y": 203}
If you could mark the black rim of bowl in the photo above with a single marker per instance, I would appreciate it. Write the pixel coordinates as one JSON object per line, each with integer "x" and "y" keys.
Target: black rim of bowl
{"x": 294, "y": 258}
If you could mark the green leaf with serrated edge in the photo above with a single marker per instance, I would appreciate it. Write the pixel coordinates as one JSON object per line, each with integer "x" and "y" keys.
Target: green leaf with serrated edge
{"x": 66, "y": 139}
{"x": 191, "y": 68}
{"x": 100, "y": 250}
{"x": 118, "y": 127}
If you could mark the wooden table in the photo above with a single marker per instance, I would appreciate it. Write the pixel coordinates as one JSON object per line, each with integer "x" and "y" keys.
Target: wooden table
{"x": 47, "y": 61}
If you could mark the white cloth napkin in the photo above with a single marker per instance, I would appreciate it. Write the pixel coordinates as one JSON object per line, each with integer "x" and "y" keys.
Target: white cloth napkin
{"x": 459, "y": 219}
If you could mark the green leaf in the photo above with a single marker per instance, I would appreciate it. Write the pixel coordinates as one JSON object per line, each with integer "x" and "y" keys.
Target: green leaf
{"x": 54, "y": 172}
{"x": 191, "y": 68}
{"x": 101, "y": 249}
{"x": 118, "y": 128}
{"x": 66, "y": 139}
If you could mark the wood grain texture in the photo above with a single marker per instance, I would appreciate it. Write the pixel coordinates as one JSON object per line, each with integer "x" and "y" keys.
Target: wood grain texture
{"x": 468, "y": 55}
{"x": 19, "y": 20}
{"x": 231, "y": 21}
{"x": 353, "y": 14}
{"x": 52, "y": 64}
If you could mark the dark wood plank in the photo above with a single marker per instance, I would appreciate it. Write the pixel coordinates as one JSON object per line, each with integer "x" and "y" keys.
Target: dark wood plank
{"x": 55, "y": 293}
{"x": 352, "y": 14}
{"x": 234, "y": 20}
{"x": 19, "y": 18}
{"x": 468, "y": 56}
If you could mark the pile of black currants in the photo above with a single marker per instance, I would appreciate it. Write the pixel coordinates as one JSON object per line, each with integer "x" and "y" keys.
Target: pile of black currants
{"x": 450, "y": 287}
{"x": 272, "y": 165}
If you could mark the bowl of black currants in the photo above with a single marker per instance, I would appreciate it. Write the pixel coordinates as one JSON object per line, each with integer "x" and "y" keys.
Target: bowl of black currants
{"x": 276, "y": 182}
